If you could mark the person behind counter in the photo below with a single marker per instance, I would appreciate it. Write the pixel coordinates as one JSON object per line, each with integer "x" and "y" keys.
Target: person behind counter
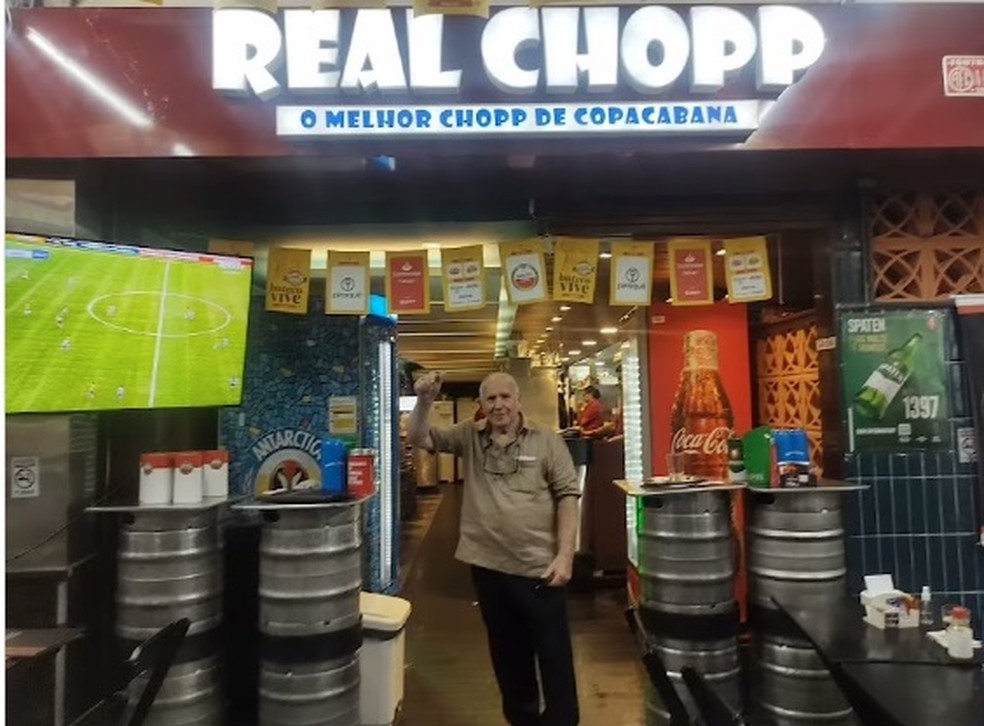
{"x": 518, "y": 533}
{"x": 591, "y": 422}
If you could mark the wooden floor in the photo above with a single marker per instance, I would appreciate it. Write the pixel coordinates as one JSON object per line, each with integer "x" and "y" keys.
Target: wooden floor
{"x": 449, "y": 680}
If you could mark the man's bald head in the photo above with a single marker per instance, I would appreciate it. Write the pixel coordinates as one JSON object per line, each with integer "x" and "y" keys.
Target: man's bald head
{"x": 496, "y": 380}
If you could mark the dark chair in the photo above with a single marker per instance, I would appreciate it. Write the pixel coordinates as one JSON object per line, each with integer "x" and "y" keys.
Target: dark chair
{"x": 679, "y": 715}
{"x": 152, "y": 657}
{"x": 713, "y": 710}
{"x": 867, "y": 709}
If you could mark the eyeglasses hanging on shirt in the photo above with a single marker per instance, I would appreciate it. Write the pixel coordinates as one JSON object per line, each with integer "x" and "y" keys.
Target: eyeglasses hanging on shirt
{"x": 501, "y": 461}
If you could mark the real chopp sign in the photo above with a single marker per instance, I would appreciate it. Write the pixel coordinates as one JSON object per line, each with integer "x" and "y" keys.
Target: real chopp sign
{"x": 587, "y": 54}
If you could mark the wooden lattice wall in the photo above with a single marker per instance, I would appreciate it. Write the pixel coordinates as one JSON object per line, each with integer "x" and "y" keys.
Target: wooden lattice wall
{"x": 788, "y": 378}
{"x": 928, "y": 246}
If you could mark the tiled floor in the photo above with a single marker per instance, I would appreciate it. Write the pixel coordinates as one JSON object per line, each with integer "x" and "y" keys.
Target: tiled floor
{"x": 413, "y": 531}
{"x": 449, "y": 679}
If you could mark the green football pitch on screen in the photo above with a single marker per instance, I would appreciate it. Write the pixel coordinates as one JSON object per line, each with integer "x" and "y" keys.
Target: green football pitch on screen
{"x": 93, "y": 326}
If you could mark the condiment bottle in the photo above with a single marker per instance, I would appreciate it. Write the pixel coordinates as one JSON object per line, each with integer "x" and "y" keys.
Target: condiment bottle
{"x": 959, "y": 637}
{"x": 925, "y": 607}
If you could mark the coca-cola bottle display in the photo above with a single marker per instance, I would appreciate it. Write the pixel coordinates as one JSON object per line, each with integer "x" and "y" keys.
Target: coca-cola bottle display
{"x": 701, "y": 420}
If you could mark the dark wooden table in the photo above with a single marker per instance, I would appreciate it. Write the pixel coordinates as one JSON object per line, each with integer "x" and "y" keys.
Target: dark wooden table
{"x": 910, "y": 677}
{"x": 923, "y": 695}
{"x": 843, "y": 636}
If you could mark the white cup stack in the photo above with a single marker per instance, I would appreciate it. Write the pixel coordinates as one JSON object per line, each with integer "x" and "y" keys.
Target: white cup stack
{"x": 156, "y": 478}
{"x": 188, "y": 479}
{"x": 216, "y": 469}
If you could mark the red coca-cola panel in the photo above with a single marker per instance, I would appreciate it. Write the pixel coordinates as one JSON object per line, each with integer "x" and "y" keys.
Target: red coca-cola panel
{"x": 692, "y": 405}
{"x": 700, "y": 388}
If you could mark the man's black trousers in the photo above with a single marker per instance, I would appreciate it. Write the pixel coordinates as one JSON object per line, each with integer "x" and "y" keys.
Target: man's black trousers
{"x": 527, "y": 626}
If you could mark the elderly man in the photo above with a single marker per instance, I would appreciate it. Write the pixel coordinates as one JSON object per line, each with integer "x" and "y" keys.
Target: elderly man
{"x": 518, "y": 532}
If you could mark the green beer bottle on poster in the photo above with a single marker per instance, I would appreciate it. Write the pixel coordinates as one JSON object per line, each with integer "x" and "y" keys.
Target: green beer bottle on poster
{"x": 887, "y": 379}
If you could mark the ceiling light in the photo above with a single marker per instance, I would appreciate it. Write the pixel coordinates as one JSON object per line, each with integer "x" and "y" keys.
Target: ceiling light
{"x": 564, "y": 308}
{"x": 720, "y": 252}
{"x": 574, "y": 352}
{"x": 605, "y": 255}
{"x": 549, "y": 329}
{"x": 609, "y": 330}
{"x": 589, "y": 343}
{"x": 556, "y": 319}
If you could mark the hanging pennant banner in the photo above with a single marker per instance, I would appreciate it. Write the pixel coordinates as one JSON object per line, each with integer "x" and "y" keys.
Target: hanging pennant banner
{"x": 523, "y": 269}
{"x": 348, "y": 283}
{"x": 408, "y": 282}
{"x": 288, "y": 280}
{"x": 575, "y": 269}
{"x": 231, "y": 247}
{"x": 691, "y": 272}
{"x": 632, "y": 273}
{"x": 478, "y": 8}
{"x": 463, "y": 276}
{"x": 746, "y": 264}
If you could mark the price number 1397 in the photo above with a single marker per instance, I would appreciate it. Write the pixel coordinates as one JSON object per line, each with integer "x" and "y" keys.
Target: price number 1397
{"x": 921, "y": 407}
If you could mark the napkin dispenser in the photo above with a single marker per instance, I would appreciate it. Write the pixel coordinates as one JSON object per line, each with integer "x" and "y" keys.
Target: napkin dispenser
{"x": 890, "y": 608}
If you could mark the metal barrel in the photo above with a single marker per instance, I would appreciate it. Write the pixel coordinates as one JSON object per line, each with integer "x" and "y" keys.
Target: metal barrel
{"x": 310, "y": 694}
{"x": 169, "y": 567}
{"x": 191, "y": 695}
{"x": 310, "y": 571}
{"x": 796, "y": 548}
{"x": 793, "y": 688}
{"x": 716, "y": 660}
{"x": 687, "y": 553}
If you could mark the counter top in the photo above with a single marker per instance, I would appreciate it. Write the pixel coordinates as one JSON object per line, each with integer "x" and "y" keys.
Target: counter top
{"x": 636, "y": 488}
{"x": 271, "y": 504}
{"x": 205, "y": 504}
{"x": 823, "y": 485}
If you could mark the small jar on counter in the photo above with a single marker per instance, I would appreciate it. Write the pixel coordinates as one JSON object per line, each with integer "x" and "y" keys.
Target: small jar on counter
{"x": 959, "y": 636}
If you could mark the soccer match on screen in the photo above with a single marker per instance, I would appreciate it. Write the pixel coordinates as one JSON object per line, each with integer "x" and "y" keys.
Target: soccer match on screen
{"x": 97, "y": 326}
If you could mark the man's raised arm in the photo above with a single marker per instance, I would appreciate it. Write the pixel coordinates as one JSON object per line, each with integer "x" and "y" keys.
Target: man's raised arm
{"x": 418, "y": 430}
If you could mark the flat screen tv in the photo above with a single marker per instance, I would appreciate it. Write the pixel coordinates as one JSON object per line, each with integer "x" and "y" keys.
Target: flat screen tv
{"x": 94, "y": 326}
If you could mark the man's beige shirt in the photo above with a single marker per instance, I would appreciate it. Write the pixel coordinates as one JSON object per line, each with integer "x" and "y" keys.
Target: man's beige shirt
{"x": 509, "y": 513}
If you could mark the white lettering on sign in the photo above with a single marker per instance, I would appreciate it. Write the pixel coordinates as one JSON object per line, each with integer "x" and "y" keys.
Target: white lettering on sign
{"x": 505, "y": 36}
{"x": 522, "y": 50}
{"x": 646, "y": 27}
{"x": 724, "y": 42}
{"x": 710, "y": 442}
{"x": 598, "y": 63}
{"x": 866, "y": 325}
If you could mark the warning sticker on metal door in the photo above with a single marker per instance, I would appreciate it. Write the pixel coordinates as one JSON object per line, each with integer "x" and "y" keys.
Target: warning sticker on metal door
{"x": 25, "y": 477}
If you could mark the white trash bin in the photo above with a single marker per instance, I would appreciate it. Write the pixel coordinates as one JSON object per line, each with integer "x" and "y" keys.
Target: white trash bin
{"x": 384, "y": 620}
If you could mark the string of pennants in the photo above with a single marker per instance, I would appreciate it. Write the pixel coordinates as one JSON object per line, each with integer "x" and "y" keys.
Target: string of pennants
{"x": 524, "y": 274}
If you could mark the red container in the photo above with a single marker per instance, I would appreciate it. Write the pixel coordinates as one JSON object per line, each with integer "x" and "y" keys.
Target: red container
{"x": 361, "y": 473}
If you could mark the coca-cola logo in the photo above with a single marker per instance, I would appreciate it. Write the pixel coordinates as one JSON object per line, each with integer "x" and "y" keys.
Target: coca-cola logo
{"x": 714, "y": 442}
